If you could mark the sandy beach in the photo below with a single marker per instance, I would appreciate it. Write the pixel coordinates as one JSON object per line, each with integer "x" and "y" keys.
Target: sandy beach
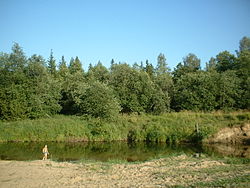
{"x": 166, "y": 172}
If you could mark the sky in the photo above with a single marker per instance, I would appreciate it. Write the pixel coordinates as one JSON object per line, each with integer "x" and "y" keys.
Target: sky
{"x": 126, "y": 30}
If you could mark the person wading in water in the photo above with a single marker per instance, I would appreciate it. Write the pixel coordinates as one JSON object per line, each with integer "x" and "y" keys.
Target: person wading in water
{"x": 45, "y": 152}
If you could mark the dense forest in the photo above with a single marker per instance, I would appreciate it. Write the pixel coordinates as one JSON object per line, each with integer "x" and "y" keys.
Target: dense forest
{"x": 32, "y": 87}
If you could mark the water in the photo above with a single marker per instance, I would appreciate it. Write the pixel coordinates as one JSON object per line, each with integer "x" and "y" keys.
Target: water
{"x": 100, "y": 151}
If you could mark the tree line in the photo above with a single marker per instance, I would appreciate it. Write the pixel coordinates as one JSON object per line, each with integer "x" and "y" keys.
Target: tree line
{"x": 32, "y": 87}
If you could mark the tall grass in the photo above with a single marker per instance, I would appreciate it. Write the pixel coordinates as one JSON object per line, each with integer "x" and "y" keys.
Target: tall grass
{"x": 170, "y": 127}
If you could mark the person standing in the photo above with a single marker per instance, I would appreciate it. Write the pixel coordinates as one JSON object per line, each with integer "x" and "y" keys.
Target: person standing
{"x": 45, "y": 152}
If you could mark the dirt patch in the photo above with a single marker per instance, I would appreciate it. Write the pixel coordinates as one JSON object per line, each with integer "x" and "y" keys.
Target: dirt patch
{"x": 233, "y": 135}
{"x": 181, "y": 170}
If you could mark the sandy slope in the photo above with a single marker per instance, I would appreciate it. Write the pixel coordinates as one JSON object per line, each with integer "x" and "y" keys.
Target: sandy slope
{"x": 156, "y": 173}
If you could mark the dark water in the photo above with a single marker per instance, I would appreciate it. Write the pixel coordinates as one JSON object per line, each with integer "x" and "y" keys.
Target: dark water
{"x": 99, "y": 151}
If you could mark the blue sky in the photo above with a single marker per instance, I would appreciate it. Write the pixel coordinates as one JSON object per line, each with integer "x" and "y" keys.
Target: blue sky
{"x": 126, "y": 30}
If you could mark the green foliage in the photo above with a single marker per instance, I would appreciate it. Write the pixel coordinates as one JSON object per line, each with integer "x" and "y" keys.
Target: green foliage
{"x": 13, "y": 102}
{"x": 99, "y": 73}
{"x": 243, "y": 72}
{"x": 245, "y": 44}
{"x": 73, "y": 85}
{"x": 229, "y": 90}
{"x": 27, "y": 90}
{"x": 149, "y": 69}
{"x": 125, "y": 82}
{"x": 43, "y": 92}
{"x": 73, "y": 88}
{"x": 52, "y": 64}
{"x": 196, "y": 91}
{"x": 133, "y": 135}
{"x": 192, "y": 62}
{"x": 13, "y": 85}
{"x": 225, "y": 61}
{"x": 211, "y": 65}
{"x": 63, "y": 69}
{"x": 98, "y": 101}
{"x": 17, "y": 60}
{"x": 165, "y": 86}
{"x": 161, "y": 64}
{"x": 136, "y": 91}
{"x": 75, "y": 66}
{"x": 207, "y": 91}
{"x": 31, "y": 89}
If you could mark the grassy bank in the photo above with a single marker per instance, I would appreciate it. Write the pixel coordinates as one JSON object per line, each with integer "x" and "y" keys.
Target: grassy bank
{"x": 171, "y": 127}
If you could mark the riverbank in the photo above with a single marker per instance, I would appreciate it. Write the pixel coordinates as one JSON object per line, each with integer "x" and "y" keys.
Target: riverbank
{"x": 170, "y": 127}
{"x": 181, "y": 171}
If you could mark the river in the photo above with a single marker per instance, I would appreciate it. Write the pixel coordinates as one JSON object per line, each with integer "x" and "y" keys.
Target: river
{"x": 114, "y": 151}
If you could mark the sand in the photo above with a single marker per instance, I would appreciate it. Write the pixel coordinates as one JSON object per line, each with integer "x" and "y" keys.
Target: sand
{"x": 156, "y": 173}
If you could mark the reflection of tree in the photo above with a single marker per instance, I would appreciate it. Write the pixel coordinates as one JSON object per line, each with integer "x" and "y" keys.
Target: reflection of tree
{"x": 100, "y": 151}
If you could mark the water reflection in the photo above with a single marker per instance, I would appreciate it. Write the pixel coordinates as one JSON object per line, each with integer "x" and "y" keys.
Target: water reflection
{"x": 99, "y": 151}
{"x": 242, "y": 151}
{"x": 102, "y": 151}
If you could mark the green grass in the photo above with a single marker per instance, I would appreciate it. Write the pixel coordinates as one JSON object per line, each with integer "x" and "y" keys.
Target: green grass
{"x": 169, "y": 127}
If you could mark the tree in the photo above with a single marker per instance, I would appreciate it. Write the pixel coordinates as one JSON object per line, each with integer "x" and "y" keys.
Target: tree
{"x": 192, "y": 62}
{"x": 112, "y": 63}
{"x": 43, "y": 92}
{"x": 136, "y": 91}
{"x": 98, "y": 73}
{"x": 4, "y": 71}
{"x": 36, "y": 68}
{"x": 161, "y": 67}
{"x": 225, "y": 61}
{"x": 160, "y": 102}
{"x": 13, "y": 102}
{"x": 17, "y": 60}
{"x": 150, "y": 97}
{"x": 136, "y": 66}
{"x": 99, "y": 101}
{"x": 196, "y": 91}
{"x": 73, "y": 87}
{"x": 13, "y": 85}
{"x": 163, "y": 80}
{"x": 243, "y": 72}
{"x": 244, "y": 44}
{"x": 149, "y": 69}
{"x": 211, "y": 65}
{"x": 31, "y": 89}
{"x": 123, "y": 80}
{"x": 52, "y": 64}
{"x": 165, "y": 83}
{"x": 229, "y": 91}
{"x": 75, "y": 65}
{"x": 28, "y": 90}
{"x": 63, "y": 70}
{"x": 179, "y": 70}
{"x": 14, "y": 66}
{"x": 62, "y": 63}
